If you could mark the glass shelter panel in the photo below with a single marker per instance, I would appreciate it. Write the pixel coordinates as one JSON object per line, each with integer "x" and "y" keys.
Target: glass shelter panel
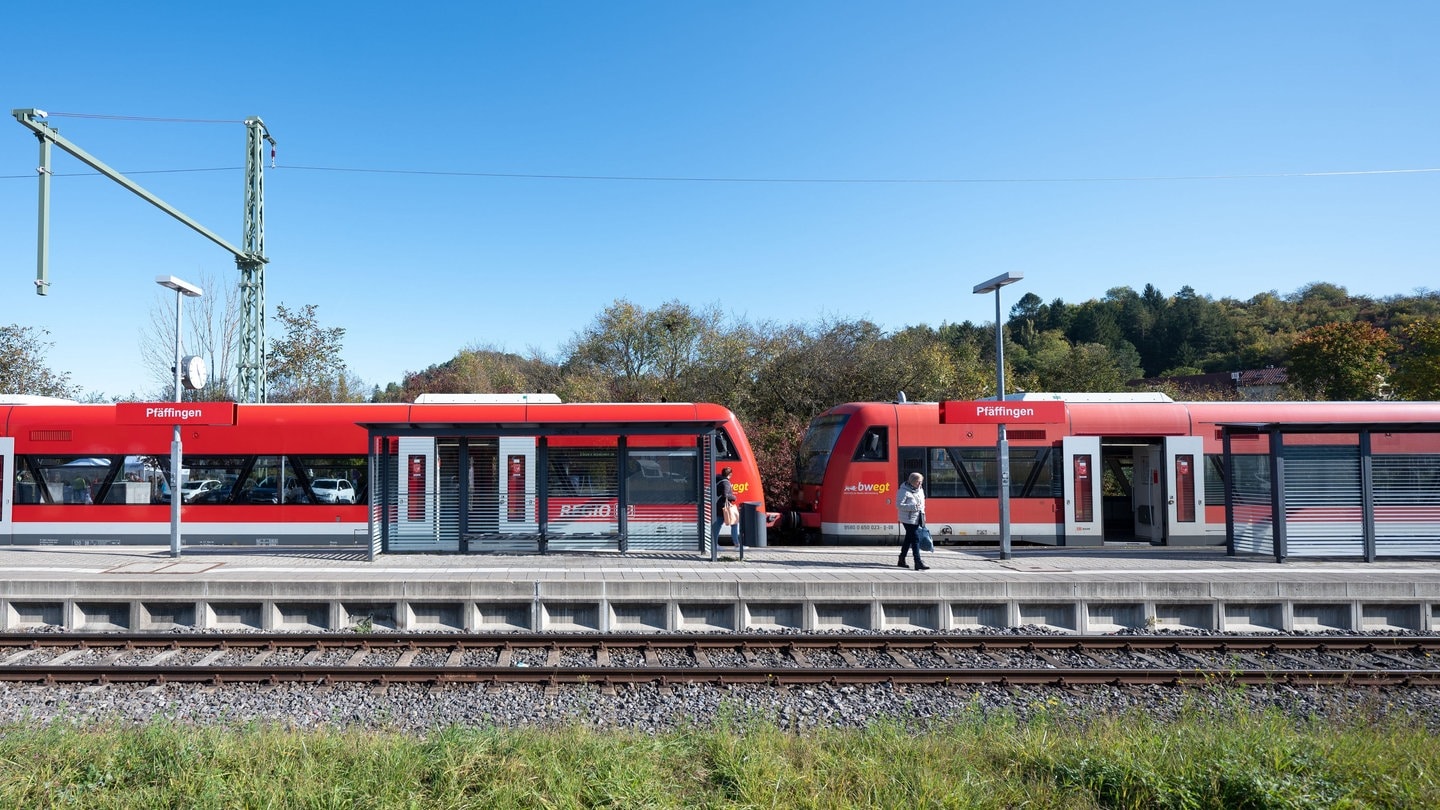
{"x": 583, "y": 507}
{"x": 663, "y": 489}
{"x": 1407, "y": 504}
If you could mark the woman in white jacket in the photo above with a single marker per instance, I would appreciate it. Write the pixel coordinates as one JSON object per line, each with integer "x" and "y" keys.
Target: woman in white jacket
{"x": 911, "y": 506}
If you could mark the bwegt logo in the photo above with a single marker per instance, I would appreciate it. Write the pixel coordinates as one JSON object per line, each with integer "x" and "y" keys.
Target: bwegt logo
{"x": 868, "y": 489}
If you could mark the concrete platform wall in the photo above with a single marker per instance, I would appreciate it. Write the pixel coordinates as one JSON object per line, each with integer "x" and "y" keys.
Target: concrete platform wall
{"x": 689, "y": 606}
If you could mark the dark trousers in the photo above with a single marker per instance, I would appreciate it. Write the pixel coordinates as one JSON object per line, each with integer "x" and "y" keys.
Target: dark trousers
{"x": 910, "y": 542}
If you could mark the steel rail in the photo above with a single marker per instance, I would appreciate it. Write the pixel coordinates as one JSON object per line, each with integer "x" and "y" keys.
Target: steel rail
{"x": 720, "y": 676}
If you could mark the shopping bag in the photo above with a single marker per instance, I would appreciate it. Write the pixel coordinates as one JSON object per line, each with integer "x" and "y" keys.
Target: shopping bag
{"x": 730, "y": 513}
{"x": 923, "y": 539}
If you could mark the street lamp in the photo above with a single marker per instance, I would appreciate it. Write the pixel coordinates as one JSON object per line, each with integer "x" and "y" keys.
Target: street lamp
{"x": 1002, "y": 446}
{"x": 182, "y": 289}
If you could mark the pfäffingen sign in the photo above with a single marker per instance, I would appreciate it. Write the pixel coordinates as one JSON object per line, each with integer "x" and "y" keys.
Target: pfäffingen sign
{"x": 964, "y": 412}
{"x": 174, "y": 413}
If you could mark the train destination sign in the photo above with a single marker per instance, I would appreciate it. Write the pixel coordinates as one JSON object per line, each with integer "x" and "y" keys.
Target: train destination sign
{"x": 174, "y": 413}
{"x": 963, "y": 412}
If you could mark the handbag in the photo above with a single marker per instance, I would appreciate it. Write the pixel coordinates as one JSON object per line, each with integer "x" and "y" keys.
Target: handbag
{"x": 730, "y": 514}
{"x": 923, "y": 539}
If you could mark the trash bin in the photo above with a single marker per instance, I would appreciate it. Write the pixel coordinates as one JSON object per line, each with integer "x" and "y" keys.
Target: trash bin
{"x": 752, "y": 524}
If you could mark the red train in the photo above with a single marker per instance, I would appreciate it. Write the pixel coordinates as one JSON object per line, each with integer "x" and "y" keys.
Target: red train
{"x": 1086, "y": 468}
{"x": 446, "y": 475}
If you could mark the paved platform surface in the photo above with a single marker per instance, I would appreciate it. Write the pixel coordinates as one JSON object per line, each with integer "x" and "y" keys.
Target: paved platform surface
{"x": 842, "y": 563}
{"x": 1082, "y": 590}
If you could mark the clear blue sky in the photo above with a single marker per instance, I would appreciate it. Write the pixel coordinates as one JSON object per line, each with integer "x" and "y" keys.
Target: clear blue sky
{"x": 860, "y": 160}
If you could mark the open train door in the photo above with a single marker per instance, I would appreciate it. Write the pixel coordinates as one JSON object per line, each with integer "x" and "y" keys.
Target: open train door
{"x": 1185, "y": 491}
{"x": 7, "y": 488}
{"x": 1084, "y": 517}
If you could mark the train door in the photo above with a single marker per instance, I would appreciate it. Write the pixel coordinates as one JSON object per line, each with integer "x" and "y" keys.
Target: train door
{"x": 518, "y": 488}
{"x": 1084, "y": 518}
{"x": 416, "y": 526}
{"x": 1147, "y": 494}
{"x": 7, "y": 488}
{"x": 1185, "y": 490}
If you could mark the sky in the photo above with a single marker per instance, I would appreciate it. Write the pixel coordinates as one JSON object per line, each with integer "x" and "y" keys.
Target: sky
{"x": 457, "y": 175}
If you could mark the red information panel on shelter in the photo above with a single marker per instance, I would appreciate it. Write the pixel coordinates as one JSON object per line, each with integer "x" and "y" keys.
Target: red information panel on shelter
{"x": 964, "y": 412}
{"x": 174, "y": 413}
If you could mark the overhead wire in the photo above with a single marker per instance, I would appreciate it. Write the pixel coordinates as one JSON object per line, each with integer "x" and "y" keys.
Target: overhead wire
{"x": 705, "y": 179}
{"x": 776, "y": 180}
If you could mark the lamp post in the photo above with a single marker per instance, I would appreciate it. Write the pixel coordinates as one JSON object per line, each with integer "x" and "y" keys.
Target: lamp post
{"x": 182, "y": 289}
{"x": 1002, "y": 446}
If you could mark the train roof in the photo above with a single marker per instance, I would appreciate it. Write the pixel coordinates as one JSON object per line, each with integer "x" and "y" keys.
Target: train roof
{"x": 1128, "y": 396}
{"x": 485, "y": 399}
{"x": 34, "y": 399}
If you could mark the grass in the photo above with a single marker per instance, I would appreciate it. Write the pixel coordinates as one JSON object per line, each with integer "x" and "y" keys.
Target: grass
{"x": 1208, "y": 758}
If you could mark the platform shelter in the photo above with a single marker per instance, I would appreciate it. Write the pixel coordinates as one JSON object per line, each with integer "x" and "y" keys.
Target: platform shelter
{"x": 467, "y": 487}
{"x": 1344, "y": 489}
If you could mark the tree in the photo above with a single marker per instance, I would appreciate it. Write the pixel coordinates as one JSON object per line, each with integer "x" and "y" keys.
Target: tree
{"x": 644, "y": 353}
{"x": 1341, "y": 361}
{"x": 1417, "y": 367}
{"x": 475, "y": 370}
{"x": 212, "y": 331}
{"x": 306, "y": 364}
{"x": 1055, "y": 365}
{"x": 22, "y": 365}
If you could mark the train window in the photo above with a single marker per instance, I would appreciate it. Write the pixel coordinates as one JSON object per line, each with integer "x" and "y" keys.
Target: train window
{"x": 1252, "y": 475}
{"x": 724, "y": 447}
{"x": 207, "y": 479}
{"x": 335, "y": 479}
{"x": 874, "y": 445}
{"x": 272, "y": 480}
{"x": 661, "y": 476}
{"x": 982, "y": 468}
{"x": 583, "y": 472}
{"x": 1215, "y": 478}
{"x": 1033, "y": 472}
{"x": 815, "y": 449}
{"x": 69, "y": 480}
{"x": 943, "y": 478}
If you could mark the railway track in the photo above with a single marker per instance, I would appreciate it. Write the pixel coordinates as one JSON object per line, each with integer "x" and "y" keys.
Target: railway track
{"x": 779, "y": 659}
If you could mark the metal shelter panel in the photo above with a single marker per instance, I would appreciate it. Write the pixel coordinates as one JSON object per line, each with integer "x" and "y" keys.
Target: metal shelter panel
{"x": 1322, "y": 501}
{"x": 1334, "y": 495}
{"x": 1407, "y": 504}
{"x": 489, "y": 487}
{"x": 1247, "y": 497}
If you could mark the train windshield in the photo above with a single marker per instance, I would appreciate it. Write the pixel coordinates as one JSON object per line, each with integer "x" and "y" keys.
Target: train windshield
{"x": 815, "y": 449}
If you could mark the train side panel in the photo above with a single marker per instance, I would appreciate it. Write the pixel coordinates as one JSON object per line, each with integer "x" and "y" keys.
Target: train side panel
{"x": 1139, "y": 471}
{"x": 73, "y": 476}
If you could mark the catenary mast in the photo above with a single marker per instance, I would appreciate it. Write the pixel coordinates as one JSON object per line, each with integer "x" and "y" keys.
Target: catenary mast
{"x": 250, "y": 258}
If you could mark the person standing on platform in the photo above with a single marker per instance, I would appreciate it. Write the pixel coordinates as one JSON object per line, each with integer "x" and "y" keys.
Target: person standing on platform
{"x": 725, "y": 495}
{"x": 911, "y": 506}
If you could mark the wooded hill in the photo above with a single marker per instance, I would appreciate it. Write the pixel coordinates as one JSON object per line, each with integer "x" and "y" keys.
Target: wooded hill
{"x": 777, "y": 376}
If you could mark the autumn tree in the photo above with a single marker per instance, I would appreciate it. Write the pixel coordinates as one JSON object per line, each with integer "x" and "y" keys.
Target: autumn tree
{"x": 1417, "y": 365}
{"x": 1341, "y": 361}
{"x": 23, "y": 369}
{"x": 476, "y": 370}
{"x": 306, "y": 364}
{"x": 642, "y": 353}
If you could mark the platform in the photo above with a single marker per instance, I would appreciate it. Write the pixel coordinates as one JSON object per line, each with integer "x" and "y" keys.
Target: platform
{"x": 1093, "y": 590}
